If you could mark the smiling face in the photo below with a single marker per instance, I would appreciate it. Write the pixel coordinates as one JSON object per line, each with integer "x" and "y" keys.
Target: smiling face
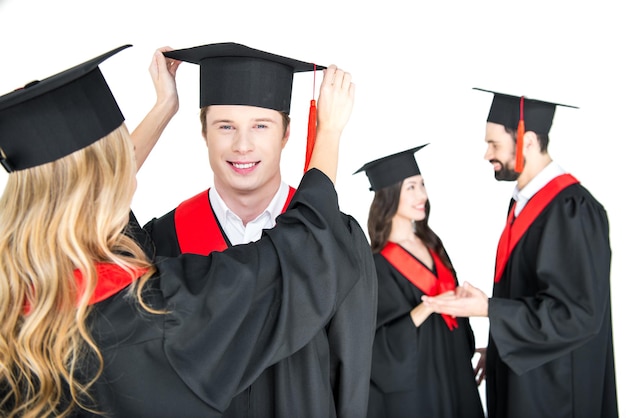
{"x": 245, "y": 145}
{"x": 500, "y": 152}
{"x": 413, "y": 198}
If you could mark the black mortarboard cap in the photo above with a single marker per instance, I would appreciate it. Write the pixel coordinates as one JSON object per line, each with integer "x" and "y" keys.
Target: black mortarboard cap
{"x": 234, "y": 74}
{"x": 49, "y": 119}
{"x": 538, "y": 115}
{"x": 391, "y": 169}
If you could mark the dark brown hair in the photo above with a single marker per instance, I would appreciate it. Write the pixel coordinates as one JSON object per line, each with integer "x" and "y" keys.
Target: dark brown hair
{"x": 543, "y": 139}
{"x": 382, "y": 210}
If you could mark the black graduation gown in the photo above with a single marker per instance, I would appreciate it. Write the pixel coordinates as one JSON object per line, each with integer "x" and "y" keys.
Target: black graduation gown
{"x": 232, "y": 314}
{"x": 328, "y": 377}
{"x": 550, "y": 352}
{"x": 418, "y": 372}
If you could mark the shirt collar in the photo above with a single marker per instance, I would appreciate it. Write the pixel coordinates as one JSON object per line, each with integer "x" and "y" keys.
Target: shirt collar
{"x": 267, "y": 218}
{"x": 546, "y": 175}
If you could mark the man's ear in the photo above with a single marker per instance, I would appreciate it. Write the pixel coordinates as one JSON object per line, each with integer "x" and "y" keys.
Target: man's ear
{"x": 286, "y": 136}
{"x": 531, "y": 142}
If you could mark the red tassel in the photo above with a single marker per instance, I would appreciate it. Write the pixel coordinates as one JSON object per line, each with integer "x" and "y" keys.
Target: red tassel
{"x": 310, "y": 138}
{"x": 521, "y": 129}
{"x": 519, "y": 153}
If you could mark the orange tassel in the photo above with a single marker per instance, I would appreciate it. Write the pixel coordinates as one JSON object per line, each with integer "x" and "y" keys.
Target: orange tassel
{"x": 312, "y": 132}
{"x": 519, "y": 153}
{"x": 521, "y": 129}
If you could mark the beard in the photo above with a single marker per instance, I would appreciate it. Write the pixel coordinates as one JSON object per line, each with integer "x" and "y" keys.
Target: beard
{"x": 505, "y": 173}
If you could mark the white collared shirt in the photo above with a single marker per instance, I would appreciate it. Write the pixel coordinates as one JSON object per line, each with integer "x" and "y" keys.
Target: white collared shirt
{"x": 544, "y": 177}
{"x": 233, "y": 226}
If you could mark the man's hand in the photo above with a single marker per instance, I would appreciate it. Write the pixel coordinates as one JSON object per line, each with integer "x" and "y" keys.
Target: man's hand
{"x": 333, "y": 111}
{"x": 479, "y": 370}
{"x": 335, "y": 101}
{"x": 468, "y": 301}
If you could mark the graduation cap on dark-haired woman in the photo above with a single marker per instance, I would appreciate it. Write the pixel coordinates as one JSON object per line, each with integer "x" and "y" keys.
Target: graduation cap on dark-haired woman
{"x": 521, "y": 114}
{"x": 386, "y": 171}
{"x": 235, "y": 74}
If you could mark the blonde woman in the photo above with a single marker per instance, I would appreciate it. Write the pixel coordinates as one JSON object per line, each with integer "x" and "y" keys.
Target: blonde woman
{"x": 90, "y": 326}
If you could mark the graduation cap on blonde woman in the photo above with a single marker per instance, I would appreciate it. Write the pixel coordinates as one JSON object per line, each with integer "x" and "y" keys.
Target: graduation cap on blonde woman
{"x": 521, "y": 114}
{"x": 50, "y": 119}
{"x": 235, "y": 74}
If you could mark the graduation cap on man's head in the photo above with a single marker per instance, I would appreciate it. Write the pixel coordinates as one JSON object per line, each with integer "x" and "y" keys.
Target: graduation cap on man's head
{"x": 49, "y": 119}
{"x": 391, "y": 169}
{"x": 522, "y": 114}
{"x": 235, "y": 74}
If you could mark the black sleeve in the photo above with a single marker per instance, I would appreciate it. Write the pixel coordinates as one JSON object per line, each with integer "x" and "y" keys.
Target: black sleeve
{"x": 239, "y": 311}
{"x": 573, "y": 257}
{"x": 162, "y": 232}
{"x": 140, "y": 235}
{"x": 351, "y": 337}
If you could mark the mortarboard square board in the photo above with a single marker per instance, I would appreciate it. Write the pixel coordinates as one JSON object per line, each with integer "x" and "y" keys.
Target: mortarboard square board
{"x": 538, "y": 114}
{"x": 235, "y": 74}
{"x": 391, "y": 169}
{"x": 52, "y": 118}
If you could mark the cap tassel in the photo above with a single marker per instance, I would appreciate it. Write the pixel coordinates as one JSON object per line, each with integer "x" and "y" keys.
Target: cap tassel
{"x": 4, "y": 162}
{"x": 312, "y": 132}
{"x": 521, "y": 129}
{"x": 312, "y": 129}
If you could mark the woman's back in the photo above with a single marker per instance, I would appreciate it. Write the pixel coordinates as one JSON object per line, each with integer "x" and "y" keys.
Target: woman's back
{"x": 88, "y": 328}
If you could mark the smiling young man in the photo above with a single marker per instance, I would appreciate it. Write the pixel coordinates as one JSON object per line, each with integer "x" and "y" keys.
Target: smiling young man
{"x": 245, "y": 99}
{"x": 245, "y": 145}
{"x": 550, "y": 350}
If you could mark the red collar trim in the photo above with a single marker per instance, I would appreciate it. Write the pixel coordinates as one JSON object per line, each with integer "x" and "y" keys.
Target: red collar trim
{"x": 197, "y": 229}
{"x": 420, "y": 276}
{"x": 516, "y": 228}
{"x": 111, "y": 280}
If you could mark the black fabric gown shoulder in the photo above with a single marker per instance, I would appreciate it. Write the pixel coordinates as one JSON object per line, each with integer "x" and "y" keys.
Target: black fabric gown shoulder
{"x": 418, "y": 372}
{"x": 231, "y": 314}
{"x": 550, "y": 352}
{"x": 329, "y": 376}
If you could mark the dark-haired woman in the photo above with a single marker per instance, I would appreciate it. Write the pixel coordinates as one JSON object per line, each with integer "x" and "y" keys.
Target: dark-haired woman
{"x": 422, "y": 361}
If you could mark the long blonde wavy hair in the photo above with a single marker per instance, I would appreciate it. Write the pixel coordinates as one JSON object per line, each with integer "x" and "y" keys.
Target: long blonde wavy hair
{"x": 54, "y": 218}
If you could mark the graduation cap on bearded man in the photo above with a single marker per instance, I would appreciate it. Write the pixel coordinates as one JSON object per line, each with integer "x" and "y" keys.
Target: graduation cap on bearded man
{"x": 235, "y": 74}
{"x": 521, "y": 114}
{"x": 52, "y": 118}
{"x": 391, "y": 169}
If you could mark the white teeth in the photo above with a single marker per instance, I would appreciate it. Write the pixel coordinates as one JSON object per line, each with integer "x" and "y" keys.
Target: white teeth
{"x": 243, "y": 166}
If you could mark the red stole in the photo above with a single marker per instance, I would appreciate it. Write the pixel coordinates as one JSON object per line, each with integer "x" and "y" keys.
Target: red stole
{"x": 111, "y": 279}
{"x": 420, "y": 276}
{"x": 513, "y": 231}
{"x": 196, "y": 227}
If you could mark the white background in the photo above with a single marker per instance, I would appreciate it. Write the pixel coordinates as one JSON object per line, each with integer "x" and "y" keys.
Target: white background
{"x": 414, "y": 68}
